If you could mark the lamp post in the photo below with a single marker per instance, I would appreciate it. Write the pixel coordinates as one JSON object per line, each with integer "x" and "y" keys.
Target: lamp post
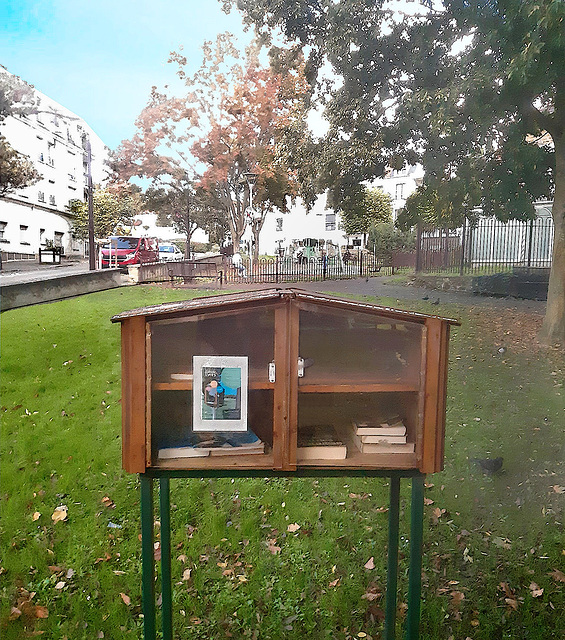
{"x": 251, "y": 179}
{"x": 89, "y": 190}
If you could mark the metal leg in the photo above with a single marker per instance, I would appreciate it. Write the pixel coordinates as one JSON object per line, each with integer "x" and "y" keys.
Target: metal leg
{"x": 166, "y": 590}
{"x": 415, "y": 575}
{"x": 392, "y": 559}
{"x": 147, "y": 559}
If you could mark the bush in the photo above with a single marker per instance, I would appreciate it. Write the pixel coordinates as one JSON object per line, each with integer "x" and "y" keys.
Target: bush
{"x": 385, "y": 239}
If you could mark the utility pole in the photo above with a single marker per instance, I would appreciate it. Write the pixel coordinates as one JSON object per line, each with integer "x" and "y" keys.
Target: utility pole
{"x": 89, "y": 192}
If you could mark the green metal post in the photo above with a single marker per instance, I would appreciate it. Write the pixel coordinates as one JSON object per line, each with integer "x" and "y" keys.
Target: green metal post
{"x": 147, "y": 559}
{"x": 415, "y": 575}
{"x": 392, "y": 559}
{"x": 166, "y": 591}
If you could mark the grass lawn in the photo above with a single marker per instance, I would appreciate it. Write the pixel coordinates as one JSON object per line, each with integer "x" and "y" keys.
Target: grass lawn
{"x": 277, "y": 558}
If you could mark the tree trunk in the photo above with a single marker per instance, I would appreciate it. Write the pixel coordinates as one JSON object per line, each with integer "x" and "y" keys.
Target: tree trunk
{"x": 553, "y": 328}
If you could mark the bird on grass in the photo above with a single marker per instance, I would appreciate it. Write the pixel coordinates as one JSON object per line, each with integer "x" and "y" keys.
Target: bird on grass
{"x": 488, "y": 465}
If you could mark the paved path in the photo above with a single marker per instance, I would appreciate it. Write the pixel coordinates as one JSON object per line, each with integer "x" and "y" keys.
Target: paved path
{"x": 22, "y": 271}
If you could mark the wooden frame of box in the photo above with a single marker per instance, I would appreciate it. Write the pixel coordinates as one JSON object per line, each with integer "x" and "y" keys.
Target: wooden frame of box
{"x": 315, "y": 362}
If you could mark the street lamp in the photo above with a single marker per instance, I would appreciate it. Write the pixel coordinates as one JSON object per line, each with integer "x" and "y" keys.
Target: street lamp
{"x": 251, "y": 179}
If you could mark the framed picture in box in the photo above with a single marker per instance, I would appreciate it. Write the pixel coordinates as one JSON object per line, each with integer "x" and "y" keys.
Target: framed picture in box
{"x": 220, "y": 393}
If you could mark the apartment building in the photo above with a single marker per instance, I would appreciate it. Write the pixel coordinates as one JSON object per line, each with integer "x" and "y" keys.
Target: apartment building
{"x": 56, "y": 141}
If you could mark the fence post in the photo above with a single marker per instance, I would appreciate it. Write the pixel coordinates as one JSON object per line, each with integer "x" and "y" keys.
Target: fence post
{"x": 530, "y": 243}
{"x": 277, "y": 268}
{"x": 418, "y": 267}
{"x": 463, "y": 233}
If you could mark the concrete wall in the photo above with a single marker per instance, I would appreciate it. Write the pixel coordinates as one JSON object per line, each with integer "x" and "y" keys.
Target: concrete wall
{"x": 22, "y": 295}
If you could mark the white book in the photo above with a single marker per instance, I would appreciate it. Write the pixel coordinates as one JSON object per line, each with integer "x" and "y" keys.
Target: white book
{"x": 386, "y": 439}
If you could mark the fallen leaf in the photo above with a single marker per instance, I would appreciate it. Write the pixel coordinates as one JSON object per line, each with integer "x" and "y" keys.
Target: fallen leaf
{"x": 41, "y": 612}
{"x": 293, "y": 527}
{"x": 36, "y": 516}
{"x": 272, "y": 546}
{"x": 182, "y": 558}
{"x": 558, "y": 489}
{"x": 60, "y": 585}
{"x": 186, "y": 574}
{"x": 535, "y": 590}
{"x": 60, "y": 514}
{"x": 334, "y": 583}
{"x": 15, "y": 613}
{"x": 428, "y": 501}
{"x": 108, "y": 502}
{"x": 557, "y": 575}
{"x": 370, "y": 564}
{"x": 125, "y": 598}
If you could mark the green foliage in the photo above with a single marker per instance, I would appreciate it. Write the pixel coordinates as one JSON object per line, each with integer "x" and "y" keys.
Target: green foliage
{"x": 385, "y": 239}
{"x": 364, "y": 208}
{"x": 114, "y": 209}
{"x": 16, "y": 97}
{"x": 16, "y": 170}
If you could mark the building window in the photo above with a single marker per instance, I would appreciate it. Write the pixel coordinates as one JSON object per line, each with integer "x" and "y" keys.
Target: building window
{"x": 23, "y": 234}
{"x": 58, "y": 239}
{"x": 41, "y": 158}
{"x": 330, "y": 221}
{"x": 52, "y": 200}
{"x": 400, "y": 191}
{"x": 279, "y": 224}
{"x": 41, "y": 196}
{"x": 2, "y": 229}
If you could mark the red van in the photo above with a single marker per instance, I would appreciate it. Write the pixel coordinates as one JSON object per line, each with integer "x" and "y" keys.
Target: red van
{"x": 125, "y": 250}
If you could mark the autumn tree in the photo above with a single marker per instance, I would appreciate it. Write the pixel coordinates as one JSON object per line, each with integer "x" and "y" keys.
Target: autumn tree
{"x": 114, "y": 210}
{"x": 235, "y": 117}
{"x": 474, "y": 90}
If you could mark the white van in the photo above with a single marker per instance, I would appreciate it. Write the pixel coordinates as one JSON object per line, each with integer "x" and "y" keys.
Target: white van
{"x": 169, "y": 253}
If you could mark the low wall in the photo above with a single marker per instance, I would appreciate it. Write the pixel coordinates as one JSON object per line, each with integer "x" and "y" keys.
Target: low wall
{"x": 13, "y": 296}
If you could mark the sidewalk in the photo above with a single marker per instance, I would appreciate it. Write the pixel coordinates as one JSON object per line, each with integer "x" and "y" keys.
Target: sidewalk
{"x": 22, "y": 271}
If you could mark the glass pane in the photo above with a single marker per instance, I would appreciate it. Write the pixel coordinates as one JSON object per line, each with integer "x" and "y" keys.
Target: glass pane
{"x": 211, "y": 395}
{"x": 360, "y": 386}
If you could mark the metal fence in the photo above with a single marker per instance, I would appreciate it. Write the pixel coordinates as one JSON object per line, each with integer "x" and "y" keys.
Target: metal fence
{"x": 275, "y": 270}
{"x": 487, "y": 246}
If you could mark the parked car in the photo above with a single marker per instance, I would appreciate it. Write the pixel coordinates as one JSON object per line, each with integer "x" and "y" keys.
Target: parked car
{"x": 170, "y": 253}
{"x": 125, "y": 250}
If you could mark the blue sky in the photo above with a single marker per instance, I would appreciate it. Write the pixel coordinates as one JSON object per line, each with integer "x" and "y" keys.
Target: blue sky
{"x": 100, "y": 58}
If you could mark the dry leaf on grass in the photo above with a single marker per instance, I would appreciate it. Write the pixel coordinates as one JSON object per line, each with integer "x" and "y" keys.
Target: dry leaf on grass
{"x": 557, "y": 575}
{"x": 293, "y": 527}
{"x": 370, "y": 564}
{"x": 60, "y": 514}
{"x": 125, "y": 598}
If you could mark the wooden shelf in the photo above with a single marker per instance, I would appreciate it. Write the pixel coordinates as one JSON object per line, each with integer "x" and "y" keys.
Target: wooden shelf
{"x": 239, "y": 461}
{"x": 358, "y": 460}
{"x": 186, "y": 385}
{"x": 345, "y": 386}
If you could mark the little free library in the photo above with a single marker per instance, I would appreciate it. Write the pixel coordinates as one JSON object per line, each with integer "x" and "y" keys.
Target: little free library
{"x": 282, "y": 382}
{"x": 281, "y": 379}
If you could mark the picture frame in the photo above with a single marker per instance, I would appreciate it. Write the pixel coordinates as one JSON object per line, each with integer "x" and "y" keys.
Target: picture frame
{"x": 220, "y": 392}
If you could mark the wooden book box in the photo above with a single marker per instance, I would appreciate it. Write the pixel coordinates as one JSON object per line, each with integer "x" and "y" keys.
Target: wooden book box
{"x": 282, "y": 379}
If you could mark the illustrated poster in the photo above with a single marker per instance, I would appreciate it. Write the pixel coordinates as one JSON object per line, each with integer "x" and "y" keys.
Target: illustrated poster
{"x": 220, "y": 393}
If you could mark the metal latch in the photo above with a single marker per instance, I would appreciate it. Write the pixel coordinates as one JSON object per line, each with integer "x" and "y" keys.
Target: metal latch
{"x": 272, "y": 371}
{"x": 300, "y": 367}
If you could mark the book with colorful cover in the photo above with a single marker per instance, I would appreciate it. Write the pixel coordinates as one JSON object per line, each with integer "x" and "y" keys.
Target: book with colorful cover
{"x": 320, "y": 442}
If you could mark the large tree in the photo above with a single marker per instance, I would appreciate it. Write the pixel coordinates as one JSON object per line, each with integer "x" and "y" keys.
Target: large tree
{"x": 466, "y": 87}
{"x": 233, "y": 119}
{"x": 16, "y": 169}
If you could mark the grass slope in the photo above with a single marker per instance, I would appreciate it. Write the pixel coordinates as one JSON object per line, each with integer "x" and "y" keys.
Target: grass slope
{"x": 276, "y": 558}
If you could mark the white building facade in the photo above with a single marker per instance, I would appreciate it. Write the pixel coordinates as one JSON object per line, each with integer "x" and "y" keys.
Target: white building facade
{"x": 55, "y": 141}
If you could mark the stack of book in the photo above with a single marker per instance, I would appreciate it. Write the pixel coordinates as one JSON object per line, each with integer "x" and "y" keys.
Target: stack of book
{"x": 382, "y": 436}
{"x": 214, "y": 443}
{"x": 319, "y": 442}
